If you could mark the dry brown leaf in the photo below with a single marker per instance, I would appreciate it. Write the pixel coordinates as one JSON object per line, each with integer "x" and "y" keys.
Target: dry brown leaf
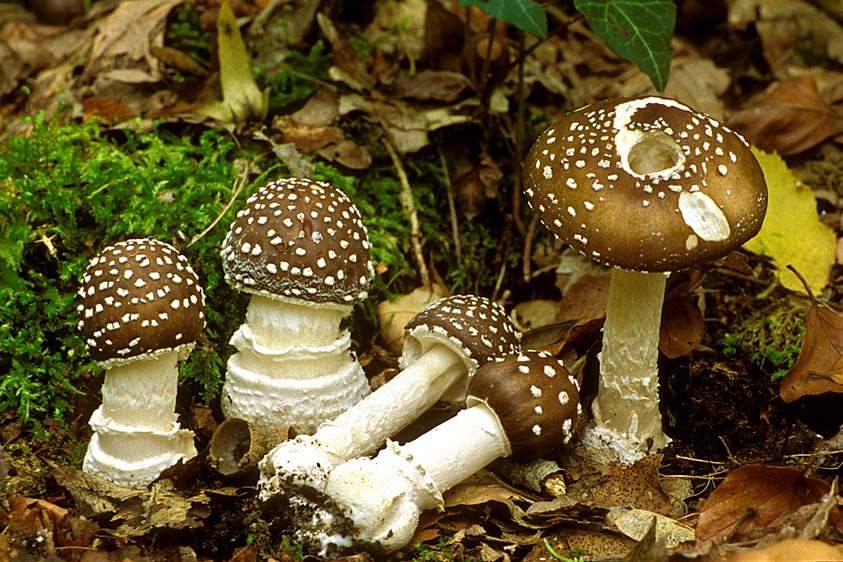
{"x": 394, "y": 315}
{"x": 586, "y": 299}
{"x": 819, "y": 367}
{"x": 125, "y": 38}
{"x": 788, "y": 118}
{"x": 329, "y": 141}
{"x": 636, "y": 485}
{"x": 437, "y": 85}
{"x": 754, "y": 496}
{"x": 476, "y": 182}
{"x": 681, "y": 328}
{"x": 320, "y": 110}
{"x": 110, "y": 109}
{"x": 792, "y": 550}
{"x": 179, "y": 60}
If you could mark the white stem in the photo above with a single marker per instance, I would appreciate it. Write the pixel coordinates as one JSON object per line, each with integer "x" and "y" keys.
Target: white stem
{"x": 454, "y": 450}
{"x": 627, "y": 422}
{"x": 136, "y": 435}
{"x": 293, "y": 367}
{"x": 364, "y": 427}
{"x": 288, "y": 323}
{"x": 142, "y": 394}
{"x": 384, "y": 496}
{"x": 360, "y": 430}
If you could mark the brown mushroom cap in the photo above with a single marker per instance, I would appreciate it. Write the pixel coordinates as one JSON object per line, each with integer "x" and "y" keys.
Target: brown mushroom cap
{"x": 646, "y": 184}
{"x": 300, "y": 239}
{"x": 139, "y": 298}
{"x": 475, "y": 327}
{"x": 535, "y": 398}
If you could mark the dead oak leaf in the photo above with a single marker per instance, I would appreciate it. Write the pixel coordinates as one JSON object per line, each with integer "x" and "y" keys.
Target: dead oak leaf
{"x": 755, "y": 496}
{"x": 328, "y": 141}
{"x": 819, "y": 367}
{"x": 681, "y": 328}
{"x": 126, "y": 36}
{"x": 790, "y": 117}
{"x": 475, "y": 183}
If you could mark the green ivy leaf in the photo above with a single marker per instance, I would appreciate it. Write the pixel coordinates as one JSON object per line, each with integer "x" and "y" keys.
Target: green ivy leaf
{"x": 637, "y": 30}
{"x": 523, "y": 14}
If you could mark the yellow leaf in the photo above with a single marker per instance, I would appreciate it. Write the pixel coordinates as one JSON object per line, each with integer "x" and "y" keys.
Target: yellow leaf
{"x": 240, "y": 93}
{"x": 792, "y": 233}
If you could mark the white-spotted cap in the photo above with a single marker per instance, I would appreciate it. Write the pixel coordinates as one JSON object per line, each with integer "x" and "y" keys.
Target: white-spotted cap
{"x": 300, "y": 239}
{"x": 646, "y": 184}
{"x": 140, "y": 298}
{"x": 475, "y": 328}
{"x": 536, "y": 399}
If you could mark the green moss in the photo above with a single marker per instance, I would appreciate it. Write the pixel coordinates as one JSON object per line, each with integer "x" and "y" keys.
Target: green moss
{"x": 771, "y": 337}
{"x": 66, "y": 193}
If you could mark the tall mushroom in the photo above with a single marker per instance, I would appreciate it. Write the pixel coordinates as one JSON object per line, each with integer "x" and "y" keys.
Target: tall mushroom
{"x": 523, "y": 405}
{"x": 444, "y": 344}
{"x": 300, "y": 249}
{"x": 141, "y": 312}
{"x": 647, "y": 186}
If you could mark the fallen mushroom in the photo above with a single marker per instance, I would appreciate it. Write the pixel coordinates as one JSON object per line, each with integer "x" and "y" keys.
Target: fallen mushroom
{"x": 444, "y": 344}
{"x": 647, "y": 186}
{"x": 300, "y": 249}
{"x": 142, "y": 310}
{"x": 524, "y": 405}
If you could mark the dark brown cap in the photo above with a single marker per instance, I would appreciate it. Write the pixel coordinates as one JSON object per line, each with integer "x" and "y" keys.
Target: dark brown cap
{"x": 299, "y": 239}
{"x": 646, "y": 184}
{"x": 536, "y": 399}
{"x": 139, "y": 298}
{"x": 474, "y": 327}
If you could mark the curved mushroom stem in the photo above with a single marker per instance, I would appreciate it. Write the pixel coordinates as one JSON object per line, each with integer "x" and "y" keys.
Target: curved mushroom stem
{"x": 364, "y": 427}
{"x": 627, "y": 423}
{"x": 136, "y": 435}
{"x": 384, "y": 496}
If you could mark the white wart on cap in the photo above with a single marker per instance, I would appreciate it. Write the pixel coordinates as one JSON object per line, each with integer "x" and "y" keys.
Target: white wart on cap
{"x": 646, "y": 184}
{"x": 140, "y": 298}
{"x": 535, "y": 398}
{"x": 301, "y": 239}
{"x": 475, "y": 327}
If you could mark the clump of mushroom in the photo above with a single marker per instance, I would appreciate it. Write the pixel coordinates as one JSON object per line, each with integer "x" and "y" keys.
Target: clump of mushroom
{"x": 142, "y": 310}
{"x": 647, "y": 186}
{"x": 301, "y": 250}
{"x": 523, "y": 405}
{"x": 444, "y": 344}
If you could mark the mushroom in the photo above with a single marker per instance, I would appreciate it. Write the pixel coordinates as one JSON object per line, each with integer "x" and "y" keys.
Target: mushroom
{"x": 647, "y": 186}
{"x": 524, "y": 405}
{"x": 142, "y": 310}
{"x": 444, "y": 344}
{"x": 300, "y": 249}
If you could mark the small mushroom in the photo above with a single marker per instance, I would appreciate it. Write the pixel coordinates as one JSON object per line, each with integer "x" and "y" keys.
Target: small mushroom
{"x": 142, "y": 310}
{"x": 647, "y": 186}
{"x": 444, "y": 344}
{"x": 524, "y": 405}
{"x": 300, "y": 249}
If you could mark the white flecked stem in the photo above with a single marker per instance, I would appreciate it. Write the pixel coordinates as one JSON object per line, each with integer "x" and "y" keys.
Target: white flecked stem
{"x": 284, "y": 323}
{"x": 627, "y": 423}
{"x": 136, "y": 435}
{"x": 384, "y": 496}
{"x": 364, "y": 427}
{"x": 293, "y": 367}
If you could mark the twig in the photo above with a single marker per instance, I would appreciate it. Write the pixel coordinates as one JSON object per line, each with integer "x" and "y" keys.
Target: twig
{"x": 409, "y": 206}
{"x": 528, "y": 247}
{"x": 239, "y": 183}
{"x": 519, "y": 145}
{"x": 452, "y": 209}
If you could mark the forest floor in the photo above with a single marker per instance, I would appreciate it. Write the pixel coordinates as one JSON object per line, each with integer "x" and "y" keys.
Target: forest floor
{"x": 751, "y": 368}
